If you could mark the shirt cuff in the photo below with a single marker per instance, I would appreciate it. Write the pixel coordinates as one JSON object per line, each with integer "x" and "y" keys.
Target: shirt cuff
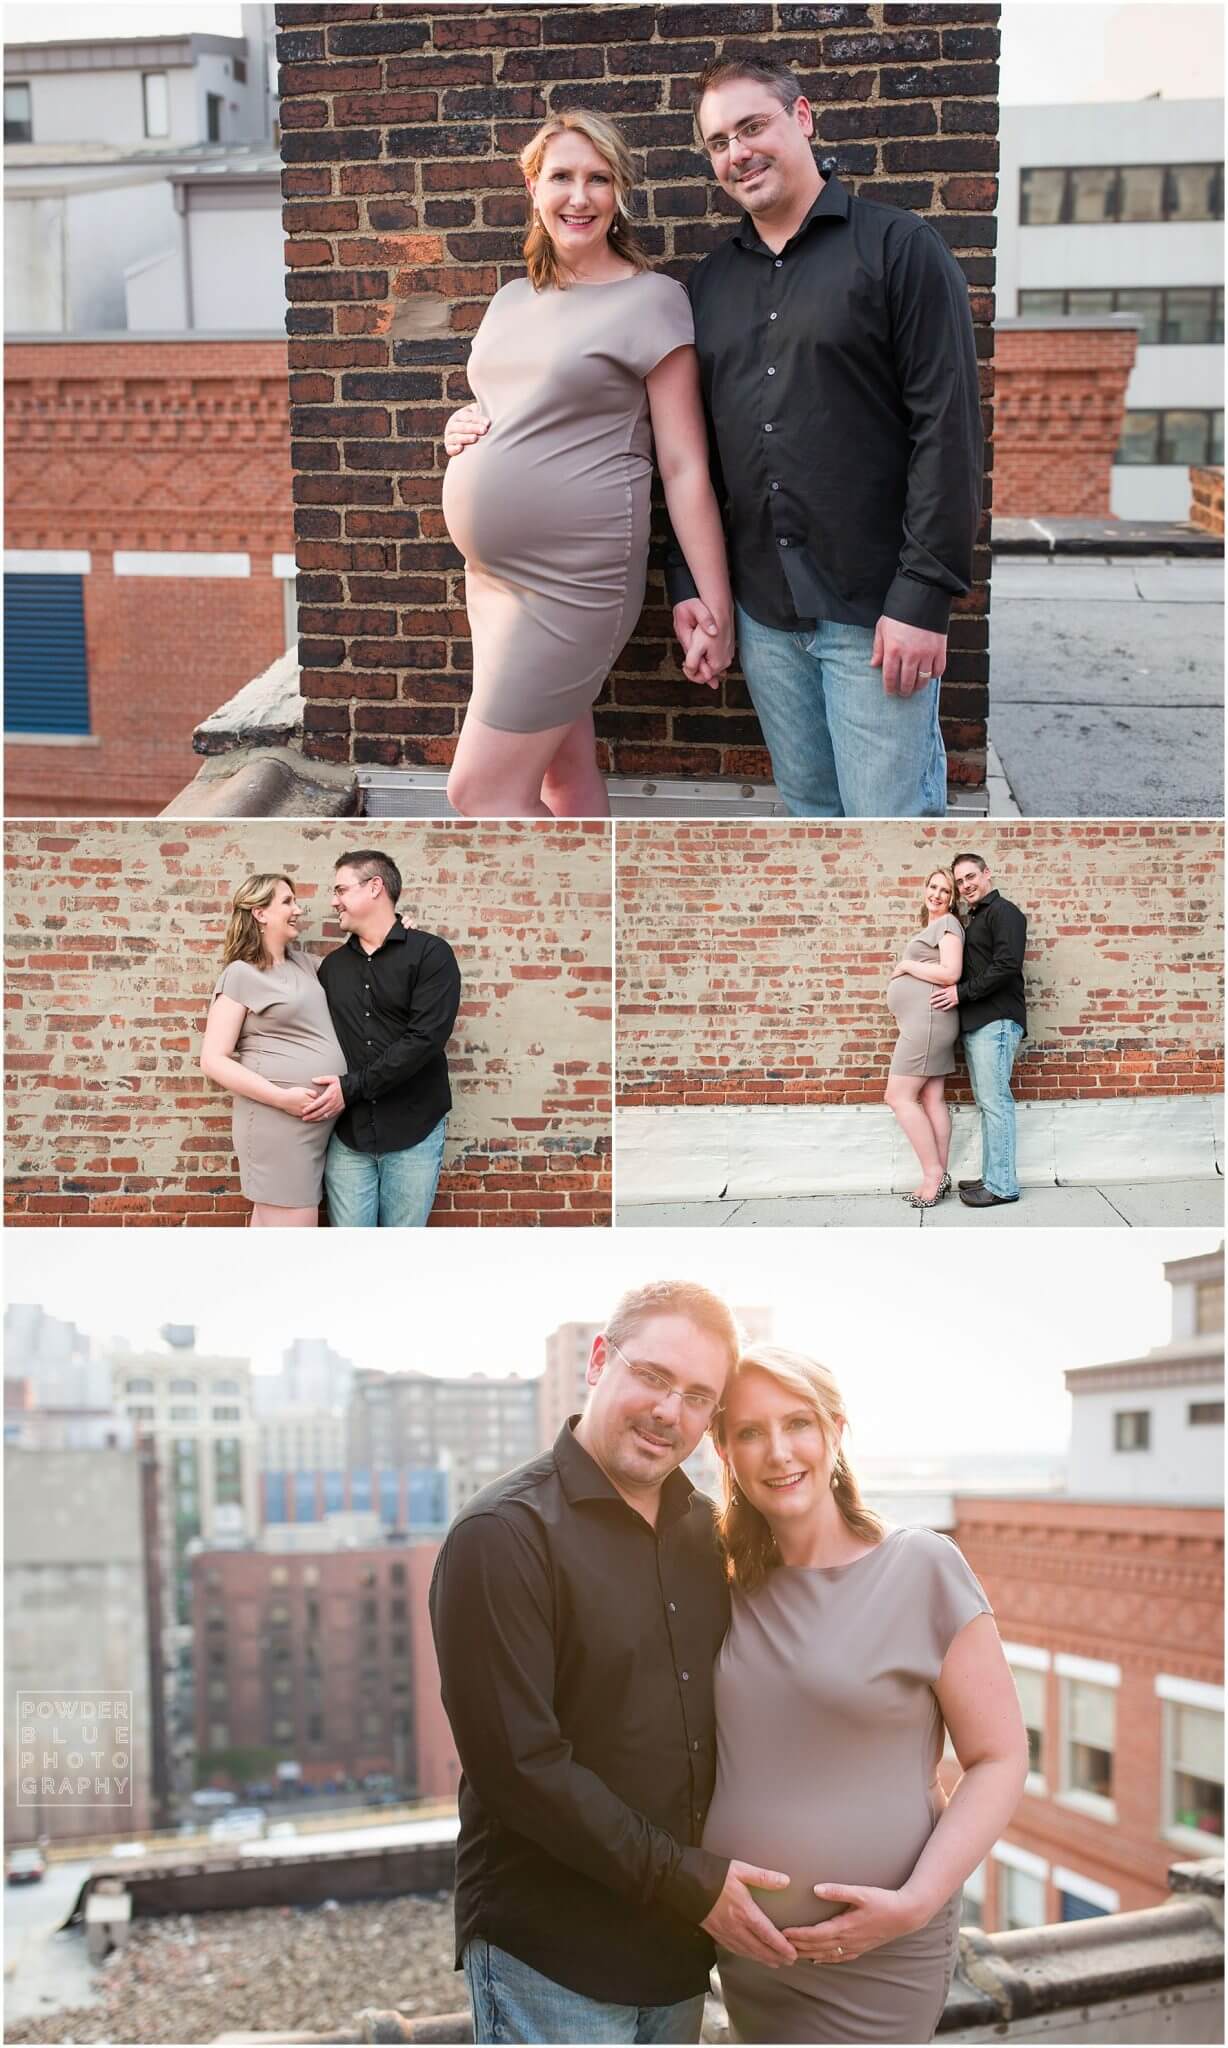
{"x": 351, "y": 1088}
{"x": 918, "y": 604}
{"x": 679, "y": 583}
{"x": 693, "y": 1888}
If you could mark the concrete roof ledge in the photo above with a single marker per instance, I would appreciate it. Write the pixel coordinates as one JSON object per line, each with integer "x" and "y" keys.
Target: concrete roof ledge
{"x": 1054, "y": 535}
{"x": 268, "y": 711}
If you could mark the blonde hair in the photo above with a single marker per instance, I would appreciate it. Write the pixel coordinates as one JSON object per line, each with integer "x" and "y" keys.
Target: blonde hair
{"x": 540, "y": 255}
{"x": 747, "y": 1541}
{"x": 675, "y": 1298}
{"x": 244, "y": 938}
{"x": 949, "y": 879}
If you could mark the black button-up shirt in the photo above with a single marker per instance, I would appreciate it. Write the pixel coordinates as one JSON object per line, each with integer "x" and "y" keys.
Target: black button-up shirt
{"x": 994, "y": 945}
{"x": 576, "y": 1646}
{"x": 840, "y": 383}
{"x": 393, "y": 1012}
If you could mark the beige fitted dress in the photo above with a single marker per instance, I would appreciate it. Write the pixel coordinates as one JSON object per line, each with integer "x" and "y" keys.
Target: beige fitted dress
{"x": 551, "y": 507}
{"x": 926, "y": 1044}
{"x": 288, "y": 1037}
{"x": 828, "y": 1735}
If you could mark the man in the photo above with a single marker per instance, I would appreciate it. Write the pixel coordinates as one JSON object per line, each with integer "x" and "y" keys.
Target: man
{"x": 993, "y": 1020}
{"x": 840, "y": 381}
{"x": 392, "y": 994}
{"x": 578, "y": 1605}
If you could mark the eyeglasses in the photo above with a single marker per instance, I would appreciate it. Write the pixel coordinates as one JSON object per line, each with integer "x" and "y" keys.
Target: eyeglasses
{"x": 746, "y": 131}
{"x": 664, "y": 1389}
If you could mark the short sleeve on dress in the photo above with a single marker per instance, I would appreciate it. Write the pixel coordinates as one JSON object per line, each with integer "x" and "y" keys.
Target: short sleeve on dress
{"x": 951, "y": 1592}
{"x": 948, "y": 927}
{"x": 245, "y": 984}
{"x": 660, "y": 321}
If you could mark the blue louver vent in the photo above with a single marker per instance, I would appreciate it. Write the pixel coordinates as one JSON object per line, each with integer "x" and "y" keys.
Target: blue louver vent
{"x": 46, "y": 688}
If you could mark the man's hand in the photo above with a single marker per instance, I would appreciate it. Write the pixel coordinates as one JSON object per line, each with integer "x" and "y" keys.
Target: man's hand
{"x": 871, "y": 1917}
{"x": 464, "y": 428}
{"x": 737, "y": 1923}
{"x": 707, "y": 648}
{"x": 907, "y": 655}
{"x": 945, "y": 999}
{"x": 328, "y": 1103}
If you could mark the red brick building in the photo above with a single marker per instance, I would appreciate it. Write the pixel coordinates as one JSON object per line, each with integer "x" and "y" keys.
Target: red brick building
{"x": 405, "y": 212}
{"x": 149, "y": 559}
{"x": 1060, "y": 404}
{"x": 321, "y": 1659}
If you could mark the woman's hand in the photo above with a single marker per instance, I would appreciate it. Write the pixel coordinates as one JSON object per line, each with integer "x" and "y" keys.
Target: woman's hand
{"x": 464, "y": 428}
{"x": 297, "y": 1101}
{"x": 710, "y": 652}
{"x": 901, "y": 967}
{"x": 871, "y": 1918}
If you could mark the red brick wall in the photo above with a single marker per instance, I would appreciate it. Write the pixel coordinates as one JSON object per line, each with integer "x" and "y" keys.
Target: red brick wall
{"x": 1059, "y": 406}
{"x": 156, "y": 447}
{"x": 114, "y": 945}
{"x": 753, "y": 958}
{"x": 405, "y": 212}
{"x": 1207, "y": 499}
{"x": 1137, "y": 1586}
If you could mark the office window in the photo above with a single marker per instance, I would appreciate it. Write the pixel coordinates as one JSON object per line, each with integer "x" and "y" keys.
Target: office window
{"x": 137, "y": 1412}
{"x": 279, "y": 1615}
{"x": 1183, "y": 437}
{"x": 283, "y": 1731}
{"x": 279, "y": 1576}
{"x": 1194, "y": 192}
{"x": 1022, "y": 1898}
{"x": 18, "y": 118}
{"x": 1140, "y": 193}
{"x": 1209, "y": 1294}
{"x": 1030, "y": 1685}
{"x": 373, "y": 1724}
{"x": 46, "y": 679}
{"x": 138, "y": 1386}
{"x": 183, "y": 1414}
{"x": 240, "y": 71}
{"x": 1090, "y": 1720}
{"x": 228, "y": 1414}
{"x": 1093, "y": 194}
{"x": 213, "y": 116}
{"x": 1199, "y": 1414}
{"x": 1090, "y": 302}
{"x": 183, "y": 1386}
{"x": 1132, "y": 1429}
{"x": 1041, "y": 195}
{"x": 156, "y": 98}
{"x": 1043, "y": 305}
{"x": 1194, "y": 1772}
{"x": 1149, "y": 306}
{"x": 1087, "y": 195}
{"x": 225, "y": 1386}
{"x": 219, "y": 1735}
{"x": 1194, "y": 314}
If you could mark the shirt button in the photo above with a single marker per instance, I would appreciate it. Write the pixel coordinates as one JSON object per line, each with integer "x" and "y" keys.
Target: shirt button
{"x": 672, "y": 1608}
{"x": 694, "y": 1745}
{"x": 778, "y": 262}
{"x": 686, "y": 1674}
{"x": 767, "y": 429}
{"x": 771, "y": 373}
{"x": 773, "y": 316}
{"x": 775, "y": 487}
{"x": 784, "y": 543}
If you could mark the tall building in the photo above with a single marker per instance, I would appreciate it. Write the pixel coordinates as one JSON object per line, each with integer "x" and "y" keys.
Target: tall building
{"x": 56, "y": 1358}
{"x": 1117, "y": 207}
{"x": 313, "y": 1375}
{"x": 1109, "y": 1600}
{"x": 478, "y": 1426}
{"x": 301, "y": 1440}
{"x": 196, "y": 1412}
{"x": 562, "y": 1389}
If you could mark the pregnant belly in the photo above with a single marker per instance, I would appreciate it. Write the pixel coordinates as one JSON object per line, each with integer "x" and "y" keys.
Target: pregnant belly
{"x": 295, "y": 1063}
{"x": 816, "y": 1839}
{"x": 906, "y": 998}
{"x": 520, "y": 512}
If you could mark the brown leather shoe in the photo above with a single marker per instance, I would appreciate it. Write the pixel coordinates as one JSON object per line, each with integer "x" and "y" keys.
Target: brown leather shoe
{"x": 966, "y": 1185}
{"x": 984, "y": 1198}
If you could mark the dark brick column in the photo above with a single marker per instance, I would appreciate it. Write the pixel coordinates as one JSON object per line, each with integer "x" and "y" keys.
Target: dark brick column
{"x": 405, "y": 212}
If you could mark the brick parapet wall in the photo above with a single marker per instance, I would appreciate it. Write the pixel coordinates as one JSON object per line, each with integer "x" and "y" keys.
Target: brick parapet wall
{"x": 155, "y": 447}
{"x": 405, "y": 212}
{"x": 1207, "y": 500}
{"x": 1136, "y": 1585}
{"x": 1059, "y": 405}
{"x": 115, "y": 935}
{"x": 753, "y": 959}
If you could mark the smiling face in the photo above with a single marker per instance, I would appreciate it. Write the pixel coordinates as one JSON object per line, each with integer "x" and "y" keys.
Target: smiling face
{"x": 279, "y": 920}
{"x": 637, "y": 1432}
{"x": 759, "y": 149}
{"x": 778, "y": 1451}
{"x": 938, "y": 894}
{"x": 972, "y": 882}
{"x": 575, "y": 194}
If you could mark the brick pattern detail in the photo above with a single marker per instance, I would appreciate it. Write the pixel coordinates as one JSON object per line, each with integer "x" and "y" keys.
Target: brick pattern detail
{"x": 405, "y": 212}
{"x": 159, "y": 447}
{"x": 115, "y": 935}
{"x": 1060, "y": 404}
{"x": 1134, "y": 1585}
{"x": 1207, "y": 500}
{"x": 753, "y": 958}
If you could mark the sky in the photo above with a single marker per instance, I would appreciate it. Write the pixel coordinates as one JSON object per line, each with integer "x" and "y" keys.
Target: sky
{"x": 943, "y": 1347}
{"x": 1076, "y": 51}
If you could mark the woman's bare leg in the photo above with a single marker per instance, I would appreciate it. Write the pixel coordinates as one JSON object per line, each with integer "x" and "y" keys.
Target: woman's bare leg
{"x": 498, "y": 774}
{"x": 573, "y": 785}
{"x": 937, "y": 1109}
{"x": 903, "y": 1100}
{"x": 266, "y": 1216}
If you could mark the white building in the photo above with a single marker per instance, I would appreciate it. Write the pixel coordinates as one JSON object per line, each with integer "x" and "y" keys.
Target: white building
{"x": 302, "y": 1439}
{"x": 1118, "y": 206}
{"x": 1152, "y": 1428}
{"x": 170, "y": 89}
{"x": 312, "y": 1375}
{"x": 56, "y": 1358}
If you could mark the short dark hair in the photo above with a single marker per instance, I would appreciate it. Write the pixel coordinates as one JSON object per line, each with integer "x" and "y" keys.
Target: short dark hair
{"x": 778, "y": 78}
{"x": 974, "y": 859}
{"x": 371, "y": 865}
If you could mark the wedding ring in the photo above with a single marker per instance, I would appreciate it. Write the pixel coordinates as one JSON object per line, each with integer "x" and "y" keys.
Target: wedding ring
{"x": 839, "y": 1950}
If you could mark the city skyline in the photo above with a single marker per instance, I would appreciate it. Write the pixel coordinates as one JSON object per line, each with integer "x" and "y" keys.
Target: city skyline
{"x": 998, "y": 1351}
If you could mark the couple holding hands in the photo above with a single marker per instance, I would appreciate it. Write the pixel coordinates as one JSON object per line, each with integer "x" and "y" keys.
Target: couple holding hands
{"x": 813, "y": 402}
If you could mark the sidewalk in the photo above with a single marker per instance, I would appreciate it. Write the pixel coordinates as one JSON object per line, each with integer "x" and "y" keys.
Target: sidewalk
{"x": 1115, "y": 1205}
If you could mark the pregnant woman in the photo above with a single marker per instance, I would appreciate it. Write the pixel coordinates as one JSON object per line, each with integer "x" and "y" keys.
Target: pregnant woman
{"x": 850, "y": 1647}
{"x": 925, "y": 1050}
{"x": 267, "y": 1037}
{"x": 578, "y": 368}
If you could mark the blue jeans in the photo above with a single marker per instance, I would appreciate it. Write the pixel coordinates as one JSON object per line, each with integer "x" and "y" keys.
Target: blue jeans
{"x": 840, "y": 747}
{"x": 393, "y": 1190}
{"x": 990, "y": 1053}
{"x": 511, "y": 2002}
